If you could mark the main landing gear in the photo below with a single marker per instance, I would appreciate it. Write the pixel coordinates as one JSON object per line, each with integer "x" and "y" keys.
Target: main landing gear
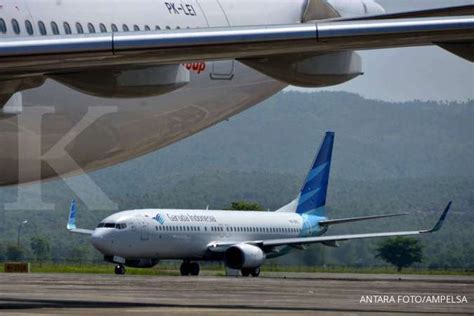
{"x": 120, "y": 269}
{"x": 253, "y": 272}
{"x": 188, "y": 268}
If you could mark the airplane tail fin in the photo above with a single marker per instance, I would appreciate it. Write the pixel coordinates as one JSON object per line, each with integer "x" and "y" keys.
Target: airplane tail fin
{"x": 71, "y": 223}
{"x": 312, "y": 197}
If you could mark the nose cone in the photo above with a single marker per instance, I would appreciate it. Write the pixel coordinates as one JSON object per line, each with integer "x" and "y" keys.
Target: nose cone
{"x": 99, "y": 241}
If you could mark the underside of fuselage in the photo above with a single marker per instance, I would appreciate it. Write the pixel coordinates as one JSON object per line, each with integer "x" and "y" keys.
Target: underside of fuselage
{"x": 62, "y": 132}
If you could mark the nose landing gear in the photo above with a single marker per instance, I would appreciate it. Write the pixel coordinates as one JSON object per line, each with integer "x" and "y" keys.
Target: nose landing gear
{"x": 188, "y": 268}
{"x": 119, "y": 269}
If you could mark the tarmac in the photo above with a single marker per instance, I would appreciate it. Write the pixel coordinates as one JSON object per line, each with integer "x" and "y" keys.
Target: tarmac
{"x": 271, "y": 294}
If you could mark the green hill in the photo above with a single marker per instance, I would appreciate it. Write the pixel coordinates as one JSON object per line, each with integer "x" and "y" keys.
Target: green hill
{"x": 388, "y": 157}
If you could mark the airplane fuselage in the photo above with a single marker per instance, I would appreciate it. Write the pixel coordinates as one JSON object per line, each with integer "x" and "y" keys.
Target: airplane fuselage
{"x": 188, "y": 234}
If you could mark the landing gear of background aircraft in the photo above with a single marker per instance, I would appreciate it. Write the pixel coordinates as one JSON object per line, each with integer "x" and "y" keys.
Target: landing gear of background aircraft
{"x": 188, "y": 268}
{"x": 185, "y": 268}
{"x": 194, "y": 268}
{"x": 254, "y": 272}
{"x": 119, "y": 269}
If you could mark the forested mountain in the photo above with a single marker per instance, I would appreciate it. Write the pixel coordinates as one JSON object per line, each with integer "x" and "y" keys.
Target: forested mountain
{"x": 388, "y": 157}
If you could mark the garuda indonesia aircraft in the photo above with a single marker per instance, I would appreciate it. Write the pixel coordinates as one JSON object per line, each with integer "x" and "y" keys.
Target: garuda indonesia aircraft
{"x": 243, "y": 240}
{"x": 194, "y": 63}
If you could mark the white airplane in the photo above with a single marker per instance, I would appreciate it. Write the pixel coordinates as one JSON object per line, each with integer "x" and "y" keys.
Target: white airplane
{"x": 242, "y": 239}
{"x": 195, "y": 63}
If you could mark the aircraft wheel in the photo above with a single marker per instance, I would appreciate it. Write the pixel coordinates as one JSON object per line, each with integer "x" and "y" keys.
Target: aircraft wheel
{"x": 255, "y": 272}
{"x": 194, "y": 268}
{"x": 185, "y": 268}
{"x": 245, "y": 272}
{"x": 119, "y": 269}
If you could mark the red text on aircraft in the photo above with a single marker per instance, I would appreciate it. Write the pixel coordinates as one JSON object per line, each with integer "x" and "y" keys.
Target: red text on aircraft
{"x": 197, "y": 67}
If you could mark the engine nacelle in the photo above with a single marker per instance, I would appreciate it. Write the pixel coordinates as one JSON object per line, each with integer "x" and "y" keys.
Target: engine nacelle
{"x": 244, "y": 256}
{"x": 127, "y": 83}
{"x": 310, "y": 71}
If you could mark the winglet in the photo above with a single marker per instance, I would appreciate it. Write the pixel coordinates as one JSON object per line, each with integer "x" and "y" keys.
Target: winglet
{"x": 71, "y": 224}
{"x": 439, "y": 224}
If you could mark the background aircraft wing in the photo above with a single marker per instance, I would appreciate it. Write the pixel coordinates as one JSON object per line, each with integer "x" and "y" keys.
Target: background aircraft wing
{"x": 30, "y": 56}
{"x": 268, "y": 244}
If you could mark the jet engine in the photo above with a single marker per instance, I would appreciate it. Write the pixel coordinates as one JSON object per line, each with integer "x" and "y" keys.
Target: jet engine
{"x": 127, "y": 83}
{"x": 244, "y": 256}
{"x": 310, "y": 71}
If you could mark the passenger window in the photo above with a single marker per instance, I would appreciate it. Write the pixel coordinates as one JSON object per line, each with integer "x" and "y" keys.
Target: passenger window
{"x": 16, "y": 26}
{"x": 103, "y": 28}
{"x": 3, "y": 26}
{"x": 168, "y": 28}
{"x": 54, "y": 28}
{"x": 136, "y": 28}
{"x": 114, "y": 28}
{"x": 157, "y": 28}
{"x": 79, "y": 28}
{"x": 125, "y": 28}
{"x": 147, "y": 28}
{"x": 29, "y": 27}
{"x": 67, "y": 28}
{"x": 42, "y": 28}
{"x": 91, "y": 28}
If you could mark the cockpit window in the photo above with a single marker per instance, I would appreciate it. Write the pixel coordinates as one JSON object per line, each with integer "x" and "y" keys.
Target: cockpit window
{"x": 121, "y": 226}
{"x": 112, "y": 225}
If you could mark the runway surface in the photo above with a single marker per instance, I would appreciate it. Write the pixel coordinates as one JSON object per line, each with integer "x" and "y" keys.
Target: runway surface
{"x": 272, "y": 294}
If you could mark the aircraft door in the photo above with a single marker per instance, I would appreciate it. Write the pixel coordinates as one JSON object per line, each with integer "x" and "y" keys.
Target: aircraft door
{"x": 144, "y": 234}
{"x": 222, "y": 231}
{"x": 215, "y": 16}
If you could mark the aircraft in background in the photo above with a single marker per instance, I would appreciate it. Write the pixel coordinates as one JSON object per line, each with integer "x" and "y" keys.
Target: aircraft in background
{"x": 194, "y": 63}
{"x": 242, "y": 239}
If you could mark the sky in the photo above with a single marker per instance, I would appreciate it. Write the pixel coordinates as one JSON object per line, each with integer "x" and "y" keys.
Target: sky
{"x": 425, "y": 73}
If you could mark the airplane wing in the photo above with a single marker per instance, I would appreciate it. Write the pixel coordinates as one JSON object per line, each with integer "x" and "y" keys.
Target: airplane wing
{"x": 24, "y": 56}
{"x": 436, "y": 12}
{"x": 269, "y": 244}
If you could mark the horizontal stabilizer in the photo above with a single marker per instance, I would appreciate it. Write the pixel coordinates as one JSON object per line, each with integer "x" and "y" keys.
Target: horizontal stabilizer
{"x": 357, "y": 219}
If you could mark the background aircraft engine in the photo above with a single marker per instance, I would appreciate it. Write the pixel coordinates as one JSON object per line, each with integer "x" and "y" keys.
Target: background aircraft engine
{"x": 128, "y": 83}
{"x": 244, "y": 256}
{"x": 310, "y": 71}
